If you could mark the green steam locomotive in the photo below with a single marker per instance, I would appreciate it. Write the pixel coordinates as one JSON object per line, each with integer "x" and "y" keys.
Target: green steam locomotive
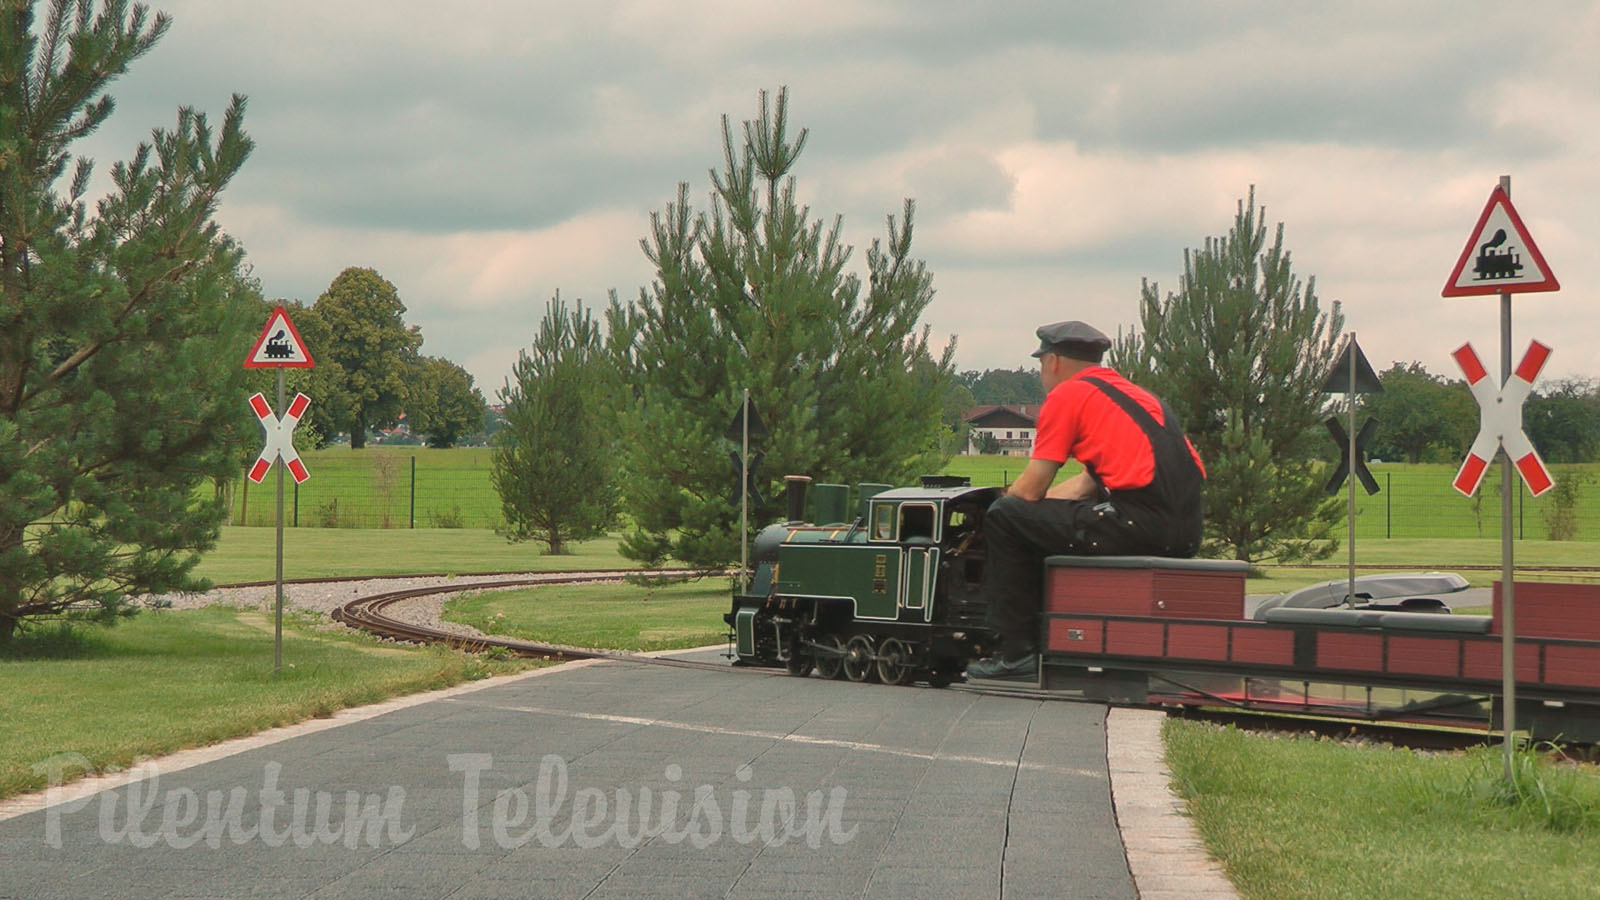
{"x": 890, "y": 595}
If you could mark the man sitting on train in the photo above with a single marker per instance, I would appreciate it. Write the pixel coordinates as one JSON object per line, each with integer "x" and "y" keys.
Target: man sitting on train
{"x": 1138, "y": 494}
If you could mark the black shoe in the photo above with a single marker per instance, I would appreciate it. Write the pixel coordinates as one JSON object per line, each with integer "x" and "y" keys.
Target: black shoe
{"x": 997, "y": 667}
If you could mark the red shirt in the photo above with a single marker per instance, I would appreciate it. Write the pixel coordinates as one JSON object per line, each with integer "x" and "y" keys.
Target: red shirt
{"x": 1078, "y": 421}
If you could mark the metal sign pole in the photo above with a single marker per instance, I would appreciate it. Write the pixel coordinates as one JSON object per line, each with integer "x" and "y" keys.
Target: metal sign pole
{"x": 1508, "y": 485}
{"x": 277, "y": 629}
{"x": 1350, "y": 596}
{"x": 744, "y": 497}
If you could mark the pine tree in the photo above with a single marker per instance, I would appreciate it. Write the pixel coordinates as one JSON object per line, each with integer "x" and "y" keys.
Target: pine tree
{"x": 1240, "y": 353}
{"x": 123, "y": 327}
{"x": 554, "y": 462}
{"x": 369, "y": 341}
{"x": 755, "y": 294}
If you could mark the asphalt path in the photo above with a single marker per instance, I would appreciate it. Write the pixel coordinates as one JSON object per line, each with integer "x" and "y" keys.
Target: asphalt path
{"x": 617, "y": 780}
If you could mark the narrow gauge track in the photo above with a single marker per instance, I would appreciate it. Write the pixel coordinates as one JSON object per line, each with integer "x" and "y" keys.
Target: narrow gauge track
{"x": 367, "y": 614}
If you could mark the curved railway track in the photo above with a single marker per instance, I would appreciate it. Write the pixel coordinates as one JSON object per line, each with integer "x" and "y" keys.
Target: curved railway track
{"x": 368, "y": 614}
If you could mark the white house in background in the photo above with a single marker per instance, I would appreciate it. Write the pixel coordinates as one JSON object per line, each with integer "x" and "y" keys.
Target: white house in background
{"x": 1011, "y": 426}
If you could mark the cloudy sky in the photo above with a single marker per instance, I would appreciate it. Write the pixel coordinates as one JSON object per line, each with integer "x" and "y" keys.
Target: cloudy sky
{"x": 482, "y": 155}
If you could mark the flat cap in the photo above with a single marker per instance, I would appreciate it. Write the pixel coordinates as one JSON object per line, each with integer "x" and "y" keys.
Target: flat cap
{"x": 1078, "y": 340}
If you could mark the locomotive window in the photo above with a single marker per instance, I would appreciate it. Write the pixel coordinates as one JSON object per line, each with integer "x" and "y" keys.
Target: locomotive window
{"x": 916, "y": 520}
{"x": 883, "y": 522}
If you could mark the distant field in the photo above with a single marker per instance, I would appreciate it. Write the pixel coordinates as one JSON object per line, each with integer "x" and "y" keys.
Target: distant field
{"x": 376, "y": 488}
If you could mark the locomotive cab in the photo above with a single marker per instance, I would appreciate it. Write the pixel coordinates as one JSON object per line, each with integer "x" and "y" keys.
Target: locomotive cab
{"x": 892, "y": 596}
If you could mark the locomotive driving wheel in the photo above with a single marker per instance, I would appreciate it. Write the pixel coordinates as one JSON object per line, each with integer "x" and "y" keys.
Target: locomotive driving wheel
{"x": 858, "y": 658}
{"x": 829, "y": 664}
{"x": 894, "y": 662}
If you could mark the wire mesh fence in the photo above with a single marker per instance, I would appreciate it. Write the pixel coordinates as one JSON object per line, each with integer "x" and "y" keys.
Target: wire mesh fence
{"x": 379, "y": 491}
{"x": 452, "y": 489}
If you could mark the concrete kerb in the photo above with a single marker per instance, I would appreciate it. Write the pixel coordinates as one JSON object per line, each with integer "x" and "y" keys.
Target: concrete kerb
{"x": 1165, "y": 855}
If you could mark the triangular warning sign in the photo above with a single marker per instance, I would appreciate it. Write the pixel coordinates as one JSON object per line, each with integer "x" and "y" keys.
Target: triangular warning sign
{"x": 279, "y": 346}
{"x": 1339, "y": 379}
{"x": 1500, "y": 256}
{"x": 735, "y": 430}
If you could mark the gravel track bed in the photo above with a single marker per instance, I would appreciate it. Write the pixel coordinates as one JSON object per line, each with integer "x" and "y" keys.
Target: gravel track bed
{"x": 325, "y": 597}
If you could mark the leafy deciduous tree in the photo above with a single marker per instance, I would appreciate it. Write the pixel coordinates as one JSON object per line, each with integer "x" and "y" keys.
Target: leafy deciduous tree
{"x": 122, "y": 327}
{"x": 374, "y": 350}
{"x": 1421, "y": 416}
{"x": 1002, "y": 387}
{"x": 441, "y": 403}
{"x": 1563, "y": 421}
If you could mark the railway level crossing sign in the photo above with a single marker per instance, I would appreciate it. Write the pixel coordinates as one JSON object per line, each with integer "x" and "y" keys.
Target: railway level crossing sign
{"x": 1504, "y": 261}
{"x": 279, "y": 437}
{"x": 1500, "y": 256}
{"x": 1501, "y": 420}
{"x": 279, "y": 347}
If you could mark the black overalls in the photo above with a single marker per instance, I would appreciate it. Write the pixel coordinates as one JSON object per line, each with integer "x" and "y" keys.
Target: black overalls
{"x": 1162, "y": 518}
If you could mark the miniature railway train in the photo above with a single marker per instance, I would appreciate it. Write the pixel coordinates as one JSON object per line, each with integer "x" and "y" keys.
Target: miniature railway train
{"x": 893, "y": 595}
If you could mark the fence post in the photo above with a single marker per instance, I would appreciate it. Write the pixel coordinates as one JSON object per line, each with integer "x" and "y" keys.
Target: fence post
{"x": 413, "y": 491}
{"x": 1388, "y": 505}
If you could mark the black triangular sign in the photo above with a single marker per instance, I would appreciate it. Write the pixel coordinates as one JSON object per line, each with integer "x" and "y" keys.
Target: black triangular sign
{"x": 735, "y": 430}
{"x": 1339, "y": 379}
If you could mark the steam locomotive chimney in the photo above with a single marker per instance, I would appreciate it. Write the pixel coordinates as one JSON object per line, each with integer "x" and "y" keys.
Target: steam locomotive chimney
{"x": 796, "y": 485}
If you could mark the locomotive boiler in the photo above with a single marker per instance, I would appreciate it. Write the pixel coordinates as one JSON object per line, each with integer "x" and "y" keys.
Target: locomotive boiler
{"x": 888, "y": 591}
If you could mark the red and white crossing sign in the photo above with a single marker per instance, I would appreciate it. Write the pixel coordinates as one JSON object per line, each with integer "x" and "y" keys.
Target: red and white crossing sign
{"x": 279, "y": 437}
{"x": 1500, "y": 424}
{"x": 279, "y": 346}
{"x": 1502, "y": 255}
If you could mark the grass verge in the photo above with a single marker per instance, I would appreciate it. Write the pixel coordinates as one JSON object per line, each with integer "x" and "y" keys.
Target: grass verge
{"x": 247, "y": 554}
{"x": 168, "y": 680}
{"x": 1300, "y": 817}
{"x": 610, "y": 616}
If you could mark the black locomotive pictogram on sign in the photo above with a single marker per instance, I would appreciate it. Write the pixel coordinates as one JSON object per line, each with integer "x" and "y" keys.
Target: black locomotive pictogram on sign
{"x": 279, "y": 346}
{"x": 1496, "y": 263}
{"x": 1500, "y": 257}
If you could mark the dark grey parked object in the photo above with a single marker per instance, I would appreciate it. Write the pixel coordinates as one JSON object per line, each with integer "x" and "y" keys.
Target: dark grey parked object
{"x": 1403, "y": 591}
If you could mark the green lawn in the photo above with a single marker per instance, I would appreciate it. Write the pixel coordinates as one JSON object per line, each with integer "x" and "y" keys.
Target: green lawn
{"x": 1298, "y": 817}
{"x": 247, "y": 554}
{"x": 167, "y": 680}
{"x": 611, "y": 616}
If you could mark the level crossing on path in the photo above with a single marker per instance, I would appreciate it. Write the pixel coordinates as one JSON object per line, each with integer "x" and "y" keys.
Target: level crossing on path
{"x": 557, "y": 786}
